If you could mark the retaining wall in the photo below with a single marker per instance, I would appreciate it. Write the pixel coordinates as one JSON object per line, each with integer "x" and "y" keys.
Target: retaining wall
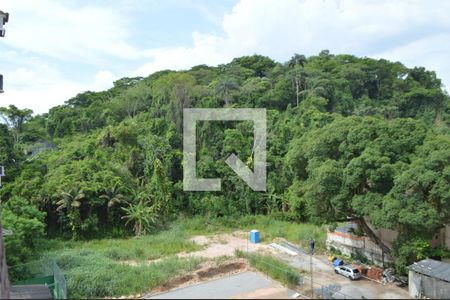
{"x": 350, "y": 244}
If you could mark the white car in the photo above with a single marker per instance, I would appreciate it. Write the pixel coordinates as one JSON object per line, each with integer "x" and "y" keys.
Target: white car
{"x": 348, "y": 271}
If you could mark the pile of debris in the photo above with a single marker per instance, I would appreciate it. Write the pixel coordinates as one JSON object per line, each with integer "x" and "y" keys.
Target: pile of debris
{"x": 388, "y": 276}
{"x": 375, "y": 273}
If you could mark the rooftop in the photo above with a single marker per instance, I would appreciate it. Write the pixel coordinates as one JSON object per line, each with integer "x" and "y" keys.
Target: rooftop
{"x": 432, "y": 268}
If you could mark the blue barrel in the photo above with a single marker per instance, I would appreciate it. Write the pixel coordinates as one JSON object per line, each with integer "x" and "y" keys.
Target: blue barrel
{"x": 338, "y": 262}
{"x": 254, "y": 236}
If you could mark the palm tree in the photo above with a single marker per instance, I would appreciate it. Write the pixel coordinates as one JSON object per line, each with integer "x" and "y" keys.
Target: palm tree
{"x": 297, "y": 63}
{"x": 297, "y": 59}
{"x": 273, "y": 200}
{"x": 224, "y": 88}
{"x": 71, "y": 201}
{"x": 113, "y": 196}
{"x": 141, "y": 215}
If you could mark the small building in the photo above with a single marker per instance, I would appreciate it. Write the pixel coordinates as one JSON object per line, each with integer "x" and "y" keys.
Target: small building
{"x": 429, "y": 278}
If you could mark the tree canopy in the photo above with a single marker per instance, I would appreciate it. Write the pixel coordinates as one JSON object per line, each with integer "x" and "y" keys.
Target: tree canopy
{"x": 348, "y": 137}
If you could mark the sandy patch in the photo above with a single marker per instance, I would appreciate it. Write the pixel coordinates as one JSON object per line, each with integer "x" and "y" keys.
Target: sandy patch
{"x": 214, "y": 246}
{"x": 224, "y": 245}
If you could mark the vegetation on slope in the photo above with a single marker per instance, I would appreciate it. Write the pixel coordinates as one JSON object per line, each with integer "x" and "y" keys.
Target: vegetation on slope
{"x": 348, "y": 137}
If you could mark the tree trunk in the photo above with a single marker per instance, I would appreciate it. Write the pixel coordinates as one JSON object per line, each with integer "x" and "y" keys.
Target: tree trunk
{"x": 365, "y": 227}
{"x": 227, "y": 100}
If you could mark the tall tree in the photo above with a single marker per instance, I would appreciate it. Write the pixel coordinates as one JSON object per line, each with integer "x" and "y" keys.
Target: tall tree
{"x": 113, "y": 196}
{"x": 224, "y": 88}
{"x": 15, "y": 118}
{"x": 297, "y": 64}
{"x": 70, "y": 202}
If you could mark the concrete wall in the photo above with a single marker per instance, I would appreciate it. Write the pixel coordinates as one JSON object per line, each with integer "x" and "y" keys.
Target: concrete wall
{"x": 447, "y": 236}
{"x": 350, "y": 244}
{"x": 424, "y": 286}
{"x": 414, "y": 285}
{"x": 387, "y": 236}
{"x": 4, "y": 282}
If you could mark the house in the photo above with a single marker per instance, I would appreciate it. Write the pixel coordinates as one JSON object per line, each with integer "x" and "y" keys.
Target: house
{"x": 429, "y": 278}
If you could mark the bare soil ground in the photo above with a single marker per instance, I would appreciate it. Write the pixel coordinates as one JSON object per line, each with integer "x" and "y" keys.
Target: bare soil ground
{"x": 205, "y": 273}
{"x": 224, "y": 245}
{"x": 216, "y": 246}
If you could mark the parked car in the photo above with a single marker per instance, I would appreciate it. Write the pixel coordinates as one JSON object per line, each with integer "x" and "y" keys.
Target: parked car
{"x": 348, "y": 271}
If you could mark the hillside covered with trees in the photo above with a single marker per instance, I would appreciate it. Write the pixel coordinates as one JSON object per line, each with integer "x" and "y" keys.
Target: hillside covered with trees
{"x": 348, "y": 138}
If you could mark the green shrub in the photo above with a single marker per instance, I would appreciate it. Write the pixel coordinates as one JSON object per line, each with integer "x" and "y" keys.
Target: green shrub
{"x": 360, "y": 256}
{"x": 410, "y": 251}
{"x": 27, "y": 224}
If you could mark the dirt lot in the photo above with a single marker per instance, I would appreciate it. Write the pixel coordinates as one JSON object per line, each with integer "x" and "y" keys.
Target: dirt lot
{"x": 217, "y": 246}
{"x": 225, "y": 245}
{"x": 327, "y": 283}
{"x": 324, "y": 276}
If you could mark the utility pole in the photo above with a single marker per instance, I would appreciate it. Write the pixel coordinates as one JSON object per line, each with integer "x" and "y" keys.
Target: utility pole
{"x": 2, "y": 173}
{"x": 4, "y": 279}
{"x": 312, "y": 246}
{"x": 4, "y": 18}
{"x": 311, "y": 271}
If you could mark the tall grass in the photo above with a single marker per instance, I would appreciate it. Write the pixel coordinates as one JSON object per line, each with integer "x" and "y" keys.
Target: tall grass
{"x": 149, "y": 247}
{"x": 270, "y": 228}
{"x": 97, "y": 268}
{"x": 273, "y": 267}
{"x": 91, "y": 274}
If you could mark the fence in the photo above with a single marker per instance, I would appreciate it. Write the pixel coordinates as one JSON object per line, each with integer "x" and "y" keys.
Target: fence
{"x": 321, "y": 291}
{"x": 45, "y": 272}
{"x": 303, "y": 285}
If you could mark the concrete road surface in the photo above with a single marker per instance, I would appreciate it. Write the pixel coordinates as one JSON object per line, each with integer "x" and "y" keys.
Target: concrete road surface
{"x": 235, "y": 286}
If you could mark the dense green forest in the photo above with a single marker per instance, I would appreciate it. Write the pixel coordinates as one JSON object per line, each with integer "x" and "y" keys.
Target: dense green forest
{"x": 348, "y": 138}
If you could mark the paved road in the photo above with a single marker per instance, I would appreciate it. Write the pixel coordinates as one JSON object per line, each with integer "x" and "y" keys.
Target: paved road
{"x": 337, "y": 286}
{"x": 226, "y": 287}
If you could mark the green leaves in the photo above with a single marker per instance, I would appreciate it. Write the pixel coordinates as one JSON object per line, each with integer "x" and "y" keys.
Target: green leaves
{"x": 27, "y": 224}
{"x": 142, "y": 216}
{"x": 347, "y": 137}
